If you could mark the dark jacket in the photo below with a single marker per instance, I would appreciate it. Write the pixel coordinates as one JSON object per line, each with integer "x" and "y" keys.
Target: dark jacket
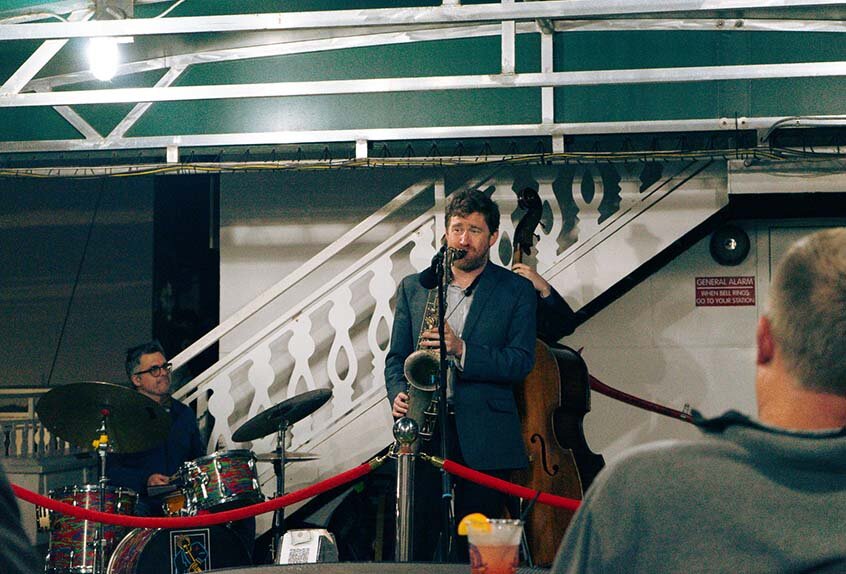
{"x": 183, "y": 443}
{"x": 499, "y": 338}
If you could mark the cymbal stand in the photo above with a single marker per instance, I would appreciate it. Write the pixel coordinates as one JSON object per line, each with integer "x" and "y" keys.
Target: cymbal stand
{"x": 279, "y": 469}
{"x": 102, "y": 445}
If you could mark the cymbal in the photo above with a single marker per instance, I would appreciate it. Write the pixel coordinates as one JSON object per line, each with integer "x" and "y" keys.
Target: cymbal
{"x": 288, "y": 411}
{"x": 74, "y": 411}
{"x": 292, "y": 456}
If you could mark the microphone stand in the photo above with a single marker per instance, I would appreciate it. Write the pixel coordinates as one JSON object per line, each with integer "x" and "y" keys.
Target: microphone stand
{"x": 443, "y": 272}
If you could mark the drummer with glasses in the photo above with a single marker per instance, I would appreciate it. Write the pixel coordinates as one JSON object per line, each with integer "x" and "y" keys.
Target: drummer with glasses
{"x": 149, "y": 374}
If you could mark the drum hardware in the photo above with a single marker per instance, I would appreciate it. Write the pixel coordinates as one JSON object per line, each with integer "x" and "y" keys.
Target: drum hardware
{"x": 290, "y": 456}
{"x": 42, "y": 518}
{"x": 105, "y": 418}
{"x": 277, "y": 419}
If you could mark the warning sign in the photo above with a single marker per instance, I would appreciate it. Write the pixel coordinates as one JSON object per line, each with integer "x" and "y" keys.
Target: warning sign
{"x": 725, "y": 291}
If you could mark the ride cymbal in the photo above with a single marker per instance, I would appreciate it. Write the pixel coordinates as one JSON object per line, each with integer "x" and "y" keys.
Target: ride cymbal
{"x": 288, "y": 411}
{"x": 74, "y": 412}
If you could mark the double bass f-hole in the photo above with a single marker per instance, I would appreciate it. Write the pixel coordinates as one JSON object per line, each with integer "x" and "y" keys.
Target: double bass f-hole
{"x": 535, "y": 439}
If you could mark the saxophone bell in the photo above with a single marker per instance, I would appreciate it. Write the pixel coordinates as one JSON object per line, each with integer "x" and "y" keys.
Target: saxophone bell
{"x": 422, "y": 371}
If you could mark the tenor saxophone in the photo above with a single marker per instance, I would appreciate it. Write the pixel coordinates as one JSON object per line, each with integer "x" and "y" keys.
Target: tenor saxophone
{"x": 422, "y": 368}
{"x": 422, "y": 372}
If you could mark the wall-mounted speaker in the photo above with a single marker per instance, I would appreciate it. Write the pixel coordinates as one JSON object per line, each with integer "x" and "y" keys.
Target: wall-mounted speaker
{"x": 729, "y": 245}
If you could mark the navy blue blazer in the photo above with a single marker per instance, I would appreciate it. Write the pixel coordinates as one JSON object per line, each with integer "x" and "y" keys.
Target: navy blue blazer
{"x": 183, "y": 443}
{"x": 499, "y": 346}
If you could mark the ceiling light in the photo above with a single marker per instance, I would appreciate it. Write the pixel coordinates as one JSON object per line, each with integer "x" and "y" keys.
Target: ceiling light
{"x": 103, "y": 57}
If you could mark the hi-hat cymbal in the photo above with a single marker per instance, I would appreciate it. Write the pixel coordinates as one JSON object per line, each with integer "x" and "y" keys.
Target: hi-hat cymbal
{"x": 288, "y": 411}
{"x": 291, "y": 456}
{"x": 74, "y": 412}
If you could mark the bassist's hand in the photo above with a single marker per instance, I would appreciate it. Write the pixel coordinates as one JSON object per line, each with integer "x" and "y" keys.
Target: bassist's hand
{"x": 539, "y": 283}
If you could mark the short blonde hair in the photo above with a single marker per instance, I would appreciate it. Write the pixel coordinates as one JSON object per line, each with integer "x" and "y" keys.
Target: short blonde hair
{"x": 807, "y": 310}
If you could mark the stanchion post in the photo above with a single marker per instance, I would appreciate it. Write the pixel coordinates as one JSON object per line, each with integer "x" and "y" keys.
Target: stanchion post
{"x": 405, "y": 432}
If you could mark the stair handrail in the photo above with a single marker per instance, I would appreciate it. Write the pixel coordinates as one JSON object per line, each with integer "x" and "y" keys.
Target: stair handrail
{"x": 185, "y": 393}
{"x": 271, "y": 294}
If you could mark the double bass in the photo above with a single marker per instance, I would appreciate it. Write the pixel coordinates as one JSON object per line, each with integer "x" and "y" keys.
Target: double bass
{"x": 552, "y": 402}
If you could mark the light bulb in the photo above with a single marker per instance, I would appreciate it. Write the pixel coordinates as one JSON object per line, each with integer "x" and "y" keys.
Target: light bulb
{"x": 103, "y": 57}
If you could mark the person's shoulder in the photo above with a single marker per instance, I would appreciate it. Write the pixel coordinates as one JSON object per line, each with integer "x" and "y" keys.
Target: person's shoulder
{"x": 656, "y": 461}
{"x": 670, "y": 449}
{"x": 411, "y": 282}
{"x": 178, "y": 408}
{"x": 505, "y": 276}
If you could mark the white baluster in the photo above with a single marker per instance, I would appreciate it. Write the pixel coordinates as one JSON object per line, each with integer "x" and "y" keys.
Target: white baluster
{"x": 382, "y": 287}
{"x": 547, "y": 244}
{"x": 341, "y": 318}
{"x": 261, "y": 376}
{"x": 301, "y": 346}
{"x": 220, "y": 406}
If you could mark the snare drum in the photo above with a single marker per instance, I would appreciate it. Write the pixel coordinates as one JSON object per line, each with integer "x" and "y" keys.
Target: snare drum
{"x": 177, "y": 504}
{"x": 222, "y": 480}
{"x": 155, "y": 551}
{"x": 73, "y": 540}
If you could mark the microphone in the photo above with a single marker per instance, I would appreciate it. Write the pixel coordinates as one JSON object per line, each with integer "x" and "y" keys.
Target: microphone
{"x": 456, "y": 253}
{"x": 428, "y": 277}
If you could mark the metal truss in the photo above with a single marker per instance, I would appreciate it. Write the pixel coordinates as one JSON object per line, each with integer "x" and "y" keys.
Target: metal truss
{"x": 418, "y": 84}
{"x": 333, "y": 30}
{"x": 552, "y": 9}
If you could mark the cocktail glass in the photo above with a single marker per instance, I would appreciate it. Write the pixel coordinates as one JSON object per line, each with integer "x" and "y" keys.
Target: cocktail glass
{"x": 494, "y": 546}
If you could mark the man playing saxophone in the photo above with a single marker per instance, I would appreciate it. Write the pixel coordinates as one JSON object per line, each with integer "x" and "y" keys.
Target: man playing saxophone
{"x": 490, "y": 339}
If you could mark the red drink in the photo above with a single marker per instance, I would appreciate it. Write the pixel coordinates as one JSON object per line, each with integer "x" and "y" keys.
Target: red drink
{"x": 493, "y": 559}
{"x": 494, "y": 546}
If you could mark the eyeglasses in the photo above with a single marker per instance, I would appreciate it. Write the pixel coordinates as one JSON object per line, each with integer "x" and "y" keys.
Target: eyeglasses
{"x": 156, "y": 370}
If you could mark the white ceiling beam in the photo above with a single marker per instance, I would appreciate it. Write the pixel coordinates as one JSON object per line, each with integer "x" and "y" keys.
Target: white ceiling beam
{"x": 702, "y": 24}
{"x": 296, "y": 46}
{"x": 342, "y": 38}
{"x": 553, "y": 9}
{"x": 386, "y": 85}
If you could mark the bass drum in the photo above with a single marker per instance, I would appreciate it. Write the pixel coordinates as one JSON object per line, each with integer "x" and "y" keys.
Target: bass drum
{"x": 166, "y": 551}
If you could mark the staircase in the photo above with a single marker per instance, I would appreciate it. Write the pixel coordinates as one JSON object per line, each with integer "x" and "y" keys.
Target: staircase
{"x": 601, "y": 222}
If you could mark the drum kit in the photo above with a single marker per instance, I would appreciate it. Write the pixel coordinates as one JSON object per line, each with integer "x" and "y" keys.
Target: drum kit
{"x": 109, "y": 418}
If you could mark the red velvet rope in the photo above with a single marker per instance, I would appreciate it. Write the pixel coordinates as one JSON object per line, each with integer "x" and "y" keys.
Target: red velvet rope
{"x": 622, "y": 396}
{"x": 199, "y": 520}
{"x": 509, "y": 487}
